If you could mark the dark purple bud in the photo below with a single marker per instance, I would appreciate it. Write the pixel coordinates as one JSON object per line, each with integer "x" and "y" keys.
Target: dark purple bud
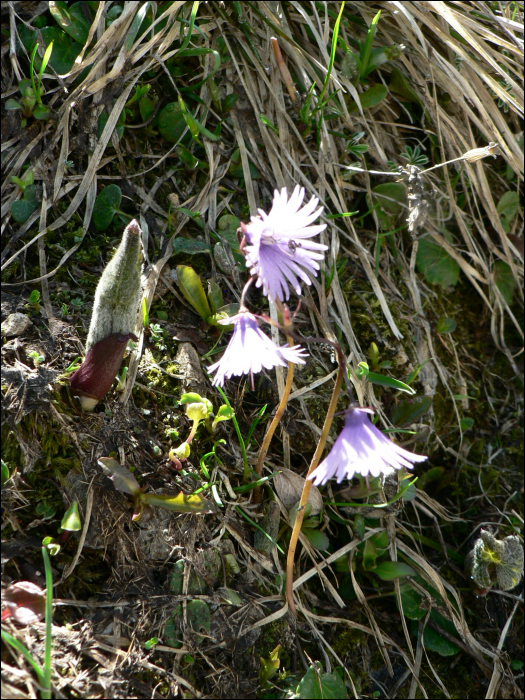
{"x": 93, "y": 379}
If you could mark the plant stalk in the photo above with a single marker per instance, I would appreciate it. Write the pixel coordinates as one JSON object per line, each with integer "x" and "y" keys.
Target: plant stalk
{"x": 308, "y": 484}
{"x": 275, "y": 422}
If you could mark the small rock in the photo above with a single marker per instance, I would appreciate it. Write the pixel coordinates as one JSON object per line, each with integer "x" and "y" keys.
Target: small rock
{"x": 16, "y": 324}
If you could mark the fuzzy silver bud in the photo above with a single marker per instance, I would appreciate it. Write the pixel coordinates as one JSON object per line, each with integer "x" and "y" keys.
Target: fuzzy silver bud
{"x": 118, "y": 292}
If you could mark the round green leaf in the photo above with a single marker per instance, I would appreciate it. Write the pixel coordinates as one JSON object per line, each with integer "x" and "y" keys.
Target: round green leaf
{"x": 41, "y": 112}
{"x": 390, "y": 195}
{"x": 446, "y": 325}
{"x": 436, "y": 264}
{"x": 12, "y": 104}
{"x": 172, "y": 124}
{"x": 21, "y": 210}
{"x": 508, "y": 205}
{"x": 106, "y": 206}
{"x": 317, "y": 539}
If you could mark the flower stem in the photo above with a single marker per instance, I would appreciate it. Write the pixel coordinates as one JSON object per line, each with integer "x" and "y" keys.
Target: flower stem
{"x": 308, "y": 484}
{"x": 275, "y": 422}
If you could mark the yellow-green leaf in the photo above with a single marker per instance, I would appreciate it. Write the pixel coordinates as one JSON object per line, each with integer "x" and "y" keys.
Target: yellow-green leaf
{"x": 182, "y": 503}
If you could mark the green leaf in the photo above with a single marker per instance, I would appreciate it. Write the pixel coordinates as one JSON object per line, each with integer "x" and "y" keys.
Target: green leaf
{"x": 508, "y": 206}
{"x": 182, "y": 503}
{"x": 504, "y": 280}
{"x": 5, "y": 472}
{"x": 235, "y": 169}
{"x": 71, "y": 520}
{"x": 151, "y": 643}
{"x": 30, "y": 191}
{"x": 41, "y": 112}
{"x": 189, "y": 246}
{"x": 228, "y": 102}
{"x": 369, "y": 555}
{"x": 172, "y": 124}
{"x": 411, "y": 602}
{"x": 370, "y": 98}
{"x": 318, "y": 539}
{"x": 215, "y": 296}
{"x": 381, "y": 380}
{"x": 225, "y": 412}
{"x": 191, "y": 287}
{"x": 389, "y": 570}
{"x": 191, "y": 397}
{"x": 359, "y": 526}
{"x": 362, "y": 370}
{"x": 145, "y": 314}
{"x": 70, "y": 19}
{"x": 270, "y": 666}
{"x": 316, "y": 685}
{"x": 351, "y": 66}
{"x": 188, "y": 159}
{"x": 446, "y": 325}
{"x": 12, "y": 104}
{"x": 106, "y": 206}
{"x": 435, "y": 263}
{"x": 65, "y": 51}
{"x": 123, "y": 480}
{"x": 391, "y": 196}
{"x": 435, "y": 641}
{"x": 199, "y": 616}
{"x": 466, "y": 423}
{"x": 21, "y": 210}
{"x": 410, "y": 410}
{"x": 146, "y": 107}
{"x": 401, "y": 86}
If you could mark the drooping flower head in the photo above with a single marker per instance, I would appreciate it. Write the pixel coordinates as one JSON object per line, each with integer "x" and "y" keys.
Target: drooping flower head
{"x": 249, "y": 350}
{"x": 278, "y": 246}
{"x": 361, "y": 448}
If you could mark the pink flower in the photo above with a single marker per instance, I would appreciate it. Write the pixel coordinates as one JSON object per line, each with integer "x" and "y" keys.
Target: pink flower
{"x": 249, "y": 350}
{"x": 362, "y": 449}
{"x": 278, "y": 248}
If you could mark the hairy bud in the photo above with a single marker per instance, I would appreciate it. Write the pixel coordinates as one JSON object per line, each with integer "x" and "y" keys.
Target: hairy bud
{"x": 118, "y": 292}
{"x": 112, "y": 321}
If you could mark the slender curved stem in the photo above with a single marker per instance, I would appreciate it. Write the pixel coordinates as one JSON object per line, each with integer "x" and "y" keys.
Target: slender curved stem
{"x": 308, "y": 484}
{"x": 275, "y": 422}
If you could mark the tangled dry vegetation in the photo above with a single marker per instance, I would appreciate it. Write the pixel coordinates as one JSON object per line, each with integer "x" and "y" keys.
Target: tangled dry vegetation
{"x": 451, "y": 81}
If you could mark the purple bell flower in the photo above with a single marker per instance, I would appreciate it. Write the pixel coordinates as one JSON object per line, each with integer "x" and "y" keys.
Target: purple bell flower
{"x": 278, "y": 246}
{"x": 361, "y": 448}
{"x": 249, "y": 350}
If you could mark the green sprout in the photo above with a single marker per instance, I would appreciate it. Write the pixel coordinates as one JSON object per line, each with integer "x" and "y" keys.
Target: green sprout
{"x": 31, "y": 101}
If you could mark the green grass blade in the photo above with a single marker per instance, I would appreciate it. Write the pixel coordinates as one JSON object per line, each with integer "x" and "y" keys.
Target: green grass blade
{"x": 335, "y": 34}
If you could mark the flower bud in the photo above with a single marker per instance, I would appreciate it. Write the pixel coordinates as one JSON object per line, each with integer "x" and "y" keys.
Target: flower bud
{"x": 93, "y": 379}
{"x": 118, "y": 291}
{"x": 181, "y": 452}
